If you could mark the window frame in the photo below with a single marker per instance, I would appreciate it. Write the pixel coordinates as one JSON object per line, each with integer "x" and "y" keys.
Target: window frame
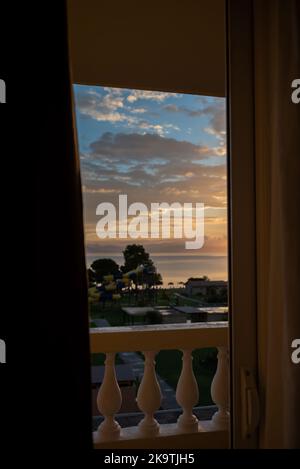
{"x": 241, "y": 222}
{"x": 241, "y": 206}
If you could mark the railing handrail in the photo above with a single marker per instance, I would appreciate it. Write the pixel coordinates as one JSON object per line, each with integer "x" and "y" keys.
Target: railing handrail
{"x": 159, "y": 337}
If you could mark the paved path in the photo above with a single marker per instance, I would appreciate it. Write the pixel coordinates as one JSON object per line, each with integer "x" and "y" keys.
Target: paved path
{"x": 137, "y": 363}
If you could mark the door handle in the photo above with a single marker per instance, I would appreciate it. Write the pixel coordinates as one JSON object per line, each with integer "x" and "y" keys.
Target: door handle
{"x": 250, "y": 403}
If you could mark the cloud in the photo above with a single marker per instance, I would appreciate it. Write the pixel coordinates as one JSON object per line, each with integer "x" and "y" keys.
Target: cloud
{"x": 138, "y": 110}
{"x": 157, "y": 96}
{"x": 111, "y": 107}
{"x": 160, "y": 129}
{"x": 100, "y": 190}
{"x": 216, "y": 245}
{"x": 101, "y": 107}
{"x": 142, "y": 146}
{"x": 151, "y": 168}
{"x": 185, "y": 110}
{"x": 217, "y": 119}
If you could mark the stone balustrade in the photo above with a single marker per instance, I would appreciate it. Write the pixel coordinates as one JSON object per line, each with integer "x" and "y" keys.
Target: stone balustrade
{"x": 149, "y": 340}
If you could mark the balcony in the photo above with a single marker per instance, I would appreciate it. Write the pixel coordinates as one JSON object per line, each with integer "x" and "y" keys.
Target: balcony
{"x": 188, "y": 431}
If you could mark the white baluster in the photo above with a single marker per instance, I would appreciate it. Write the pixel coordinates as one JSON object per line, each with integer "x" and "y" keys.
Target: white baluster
{"x": 220, "y": 391}
{"x": 149, "y": 396}
{"x": 109, "y": 401}
{"x": 187, "y": 395}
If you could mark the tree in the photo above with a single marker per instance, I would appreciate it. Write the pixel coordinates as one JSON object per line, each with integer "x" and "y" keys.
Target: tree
{"x": 102, "y": 267}
{"x": 223, "y": 296}
{"x": 211, "y": 295}
{"x": 135, "y": 255}
{"x": 144, "y": 280}
{"x": 158, "y": 279}
{"x": 203, "y": 279}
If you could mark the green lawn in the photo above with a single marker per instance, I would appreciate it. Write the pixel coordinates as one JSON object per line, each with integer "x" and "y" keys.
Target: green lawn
{"x": 169, "y": 363}
{"x": 168, "y": 366}
{"x": 112, "y": 313}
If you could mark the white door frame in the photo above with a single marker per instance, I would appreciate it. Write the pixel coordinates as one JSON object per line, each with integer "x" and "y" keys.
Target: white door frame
{"x": 241, "y": 196}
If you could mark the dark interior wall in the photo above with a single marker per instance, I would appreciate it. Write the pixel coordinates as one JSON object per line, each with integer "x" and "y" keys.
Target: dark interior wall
{"x": 61, "y": 361}
{"x": 160, "y": 45}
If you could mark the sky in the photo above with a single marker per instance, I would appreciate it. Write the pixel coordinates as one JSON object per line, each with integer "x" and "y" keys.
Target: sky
{"x": 155, "y": 147}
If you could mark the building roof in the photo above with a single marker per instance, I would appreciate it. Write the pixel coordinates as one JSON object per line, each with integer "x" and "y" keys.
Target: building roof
{"x": 206, "y": 283}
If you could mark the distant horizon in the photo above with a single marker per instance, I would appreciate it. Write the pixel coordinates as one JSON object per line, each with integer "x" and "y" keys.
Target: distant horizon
{"x": 194, "y": 266}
